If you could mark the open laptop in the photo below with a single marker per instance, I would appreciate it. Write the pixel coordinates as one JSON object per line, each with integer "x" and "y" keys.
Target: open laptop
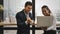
{"x": 44, "y": 21}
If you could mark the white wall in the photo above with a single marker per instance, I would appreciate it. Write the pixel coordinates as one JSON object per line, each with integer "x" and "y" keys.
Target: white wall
{"x": 52, "y": 4}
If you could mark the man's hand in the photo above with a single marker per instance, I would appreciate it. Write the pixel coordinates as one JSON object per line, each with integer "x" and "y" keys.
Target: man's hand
{"x": 29, "y": 20}
{"x": 34, "y": 24}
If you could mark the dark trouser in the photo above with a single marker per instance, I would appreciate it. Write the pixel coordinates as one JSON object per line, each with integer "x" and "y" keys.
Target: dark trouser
{"x": 1, "y": 29}
{"x": 23, "y": 31}
{"x": 50, "y": 32}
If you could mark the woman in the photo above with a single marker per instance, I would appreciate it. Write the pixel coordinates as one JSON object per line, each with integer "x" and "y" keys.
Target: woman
{"x": 52, "y": 29}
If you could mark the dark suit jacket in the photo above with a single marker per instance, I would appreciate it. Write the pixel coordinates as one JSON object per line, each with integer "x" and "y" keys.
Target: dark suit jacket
{"x": 23, "y": 28}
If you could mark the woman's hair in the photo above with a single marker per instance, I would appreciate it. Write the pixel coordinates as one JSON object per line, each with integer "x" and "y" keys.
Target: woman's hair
{"x": 44, "y": 6}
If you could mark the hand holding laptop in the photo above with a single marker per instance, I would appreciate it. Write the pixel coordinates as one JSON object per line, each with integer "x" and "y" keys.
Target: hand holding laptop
{"x": 44, "y": 28}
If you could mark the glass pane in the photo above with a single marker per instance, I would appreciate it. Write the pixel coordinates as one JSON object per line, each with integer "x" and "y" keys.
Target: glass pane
{"x": 11, "y": 7}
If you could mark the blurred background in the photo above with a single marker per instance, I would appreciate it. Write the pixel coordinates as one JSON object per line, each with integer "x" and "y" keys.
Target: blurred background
{"x": 9, "y": 8}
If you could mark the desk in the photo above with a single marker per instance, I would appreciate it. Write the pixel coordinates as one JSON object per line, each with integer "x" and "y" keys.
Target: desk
{"x": 15, "y": 28}
{"x": 11, "y": 26}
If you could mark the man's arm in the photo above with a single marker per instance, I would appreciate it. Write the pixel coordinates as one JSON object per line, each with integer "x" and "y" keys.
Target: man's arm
{"x": 32, "y": 19}
{"x": 19, "y": 21}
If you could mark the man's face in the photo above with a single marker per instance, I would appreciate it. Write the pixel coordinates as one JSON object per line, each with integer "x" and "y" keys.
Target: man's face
{"x": 45, "y": 12}
{"x": 28, "y": 8}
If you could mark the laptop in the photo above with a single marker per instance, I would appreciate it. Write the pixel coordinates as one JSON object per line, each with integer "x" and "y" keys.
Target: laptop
{"x": 44, "y": 21}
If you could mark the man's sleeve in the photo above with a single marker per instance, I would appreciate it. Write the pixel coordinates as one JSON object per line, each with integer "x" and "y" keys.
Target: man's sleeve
{"x": 32, "y": 17}
{"x": 19, "y": 21}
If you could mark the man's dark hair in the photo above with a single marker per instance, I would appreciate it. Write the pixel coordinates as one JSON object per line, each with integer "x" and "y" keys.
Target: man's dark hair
{"x": 28, "y": 3}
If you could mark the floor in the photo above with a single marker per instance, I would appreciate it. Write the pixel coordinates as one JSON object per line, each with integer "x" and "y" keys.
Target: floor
{"x": 15, "y": 31}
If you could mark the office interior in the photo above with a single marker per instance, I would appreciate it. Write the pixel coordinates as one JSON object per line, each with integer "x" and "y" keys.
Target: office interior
{"x": 11, "y": 7}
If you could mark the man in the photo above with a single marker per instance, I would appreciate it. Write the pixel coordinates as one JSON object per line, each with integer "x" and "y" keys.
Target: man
{"x": 24, "y": 19}
{"x": 52, "y": 29}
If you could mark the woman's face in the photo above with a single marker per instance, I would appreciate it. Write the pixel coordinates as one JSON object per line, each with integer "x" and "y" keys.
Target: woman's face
{"x": 45, "y": 12}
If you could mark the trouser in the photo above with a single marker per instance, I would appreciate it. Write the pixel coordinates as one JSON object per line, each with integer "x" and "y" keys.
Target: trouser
{"x": 1, "y": 29}
{"x": 50, "y": 32}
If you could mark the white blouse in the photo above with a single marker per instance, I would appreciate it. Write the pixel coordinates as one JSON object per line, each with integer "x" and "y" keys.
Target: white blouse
{"x": 53, "y": 26}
